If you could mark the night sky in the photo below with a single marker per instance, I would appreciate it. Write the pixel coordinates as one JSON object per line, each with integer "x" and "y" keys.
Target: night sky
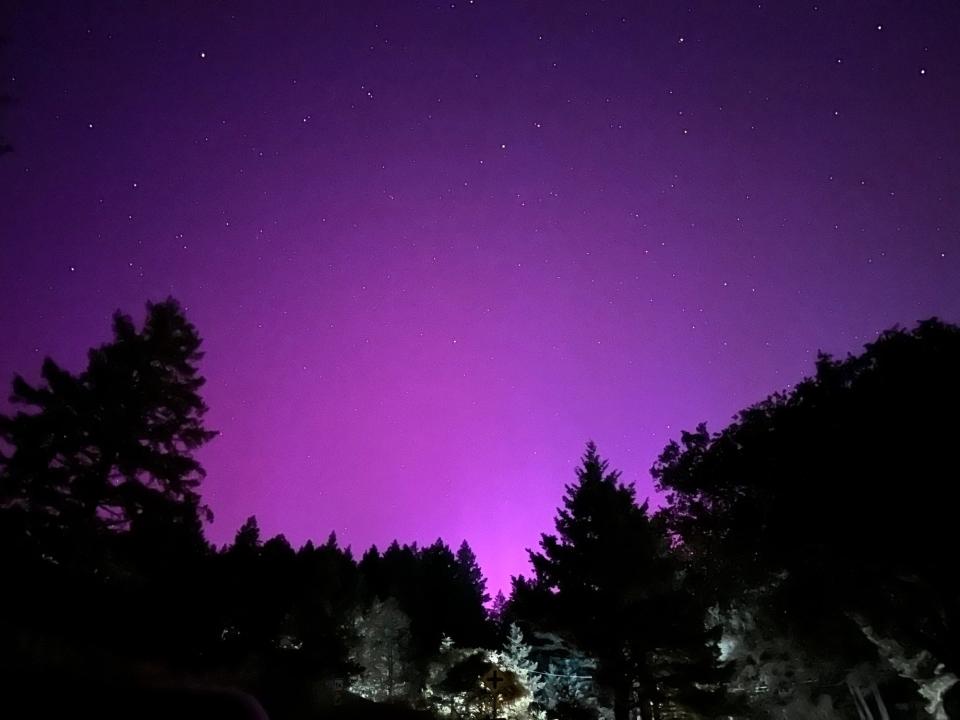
{"x": 433, "y": 248}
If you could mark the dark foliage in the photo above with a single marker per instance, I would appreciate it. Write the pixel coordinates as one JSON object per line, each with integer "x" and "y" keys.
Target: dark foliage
{"x": 442, "y": 592}
{"x": 610, "y": 580}
{"x": 98, "y": 490}
{"x": 840, "y": 496}
{"x": 106, "y": 567}
{"x": 826, "y": 511}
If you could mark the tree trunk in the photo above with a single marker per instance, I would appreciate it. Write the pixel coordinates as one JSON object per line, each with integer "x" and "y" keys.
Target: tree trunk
{"x": 881, "y": 706}
{"x": 647, "y": 710}
{"x": 621, "y": 700}
{"x": 390, "y": 674}
{"x": 933, "y": 687}
{"x": 863, "y": 710}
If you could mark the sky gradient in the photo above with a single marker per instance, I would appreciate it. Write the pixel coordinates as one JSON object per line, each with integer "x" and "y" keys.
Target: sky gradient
{"x": 433, "y": 248}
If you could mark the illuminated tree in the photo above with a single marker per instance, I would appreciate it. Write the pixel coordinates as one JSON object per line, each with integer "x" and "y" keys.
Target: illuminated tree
{"x": 382, "y": 650}
{"x": 516, "y": 658}
{"x": 453, "y": 687}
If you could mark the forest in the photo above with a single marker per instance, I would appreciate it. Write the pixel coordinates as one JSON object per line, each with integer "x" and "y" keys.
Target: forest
{"x": 802, "y": 564}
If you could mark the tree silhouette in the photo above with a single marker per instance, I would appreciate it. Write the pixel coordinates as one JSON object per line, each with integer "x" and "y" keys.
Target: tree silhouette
{"x": 99, "y": 490}
{"x": 609, "y": 580}
{"x": 840, "y": 496}
{"x": 470, "y": 573}
{"x": 498, "y": 612}
{"x": 247, "y": 539}
{"x": 113, "y": 446}
{"x": 441, "y": 592}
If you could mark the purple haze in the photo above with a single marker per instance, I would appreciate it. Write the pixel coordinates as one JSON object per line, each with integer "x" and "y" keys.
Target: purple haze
{"x": 434, "y": 247}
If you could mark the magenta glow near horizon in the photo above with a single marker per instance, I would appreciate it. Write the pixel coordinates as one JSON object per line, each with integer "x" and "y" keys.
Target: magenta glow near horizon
{"x": 433, "y": 248}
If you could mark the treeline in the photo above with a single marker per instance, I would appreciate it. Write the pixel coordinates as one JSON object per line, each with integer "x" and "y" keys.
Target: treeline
{"x": 803, "y": 566}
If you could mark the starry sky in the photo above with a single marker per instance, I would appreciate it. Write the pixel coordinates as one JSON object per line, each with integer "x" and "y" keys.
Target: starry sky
{"x": 435, "y": 247}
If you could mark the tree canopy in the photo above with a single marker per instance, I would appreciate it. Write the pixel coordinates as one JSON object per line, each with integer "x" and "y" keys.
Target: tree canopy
{"x": 113, "y": 446}
{"x": 802, "y": 566}
{"x": 610, "y": 579}
{"x": 839, "y": 496}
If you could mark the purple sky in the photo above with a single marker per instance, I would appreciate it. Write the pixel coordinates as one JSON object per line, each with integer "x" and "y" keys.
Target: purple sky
{"x": 435, "y": 247}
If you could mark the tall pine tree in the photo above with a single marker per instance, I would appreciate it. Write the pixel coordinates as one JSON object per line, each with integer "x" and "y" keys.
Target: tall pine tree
{"x": 99, "y": 489}
{"x": 112, "y": 447}
{"x": 609, "y": 580}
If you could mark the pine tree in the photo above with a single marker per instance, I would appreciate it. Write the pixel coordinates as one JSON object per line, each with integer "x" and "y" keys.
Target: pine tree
{"x": 609, "y": 580}
{"x": 248, "y": 536}
{"x": 102, "y": 450}
{"x": 498, "y": 610}
{"x": 569, "y": 687}
{"x": 516, "y": 658}
{"x": 471, "y": 573}
{"x": 99, "y": 496}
